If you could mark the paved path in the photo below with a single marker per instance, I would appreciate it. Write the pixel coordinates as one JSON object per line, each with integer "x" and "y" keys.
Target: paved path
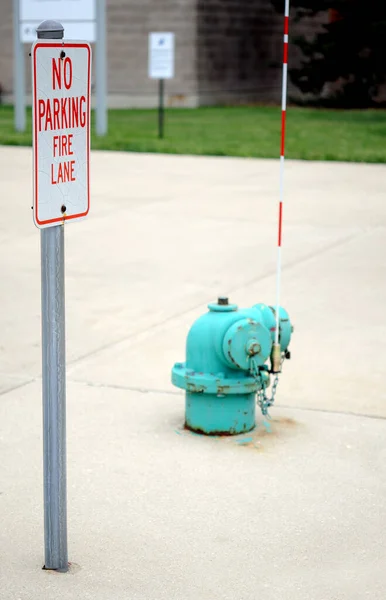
{"x": 156, "y": 513}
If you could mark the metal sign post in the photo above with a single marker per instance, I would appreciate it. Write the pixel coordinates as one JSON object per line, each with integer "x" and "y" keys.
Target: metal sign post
{"x": 161, "y": 67}
{"x": 101, "y": 70}
{"x": 161, "y": 109}
{"x": 18, "y": 71}
{"x": 61, "y": 74}
{"x": 54, "y": 398}
{"x": 54, "y": 381}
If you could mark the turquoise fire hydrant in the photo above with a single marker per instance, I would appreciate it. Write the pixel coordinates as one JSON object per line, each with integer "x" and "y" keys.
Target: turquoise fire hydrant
{"x": 226, "y": 354}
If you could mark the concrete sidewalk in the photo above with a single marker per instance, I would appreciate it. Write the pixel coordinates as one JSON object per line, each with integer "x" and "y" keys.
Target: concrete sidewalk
{"x": 156, "y": 513}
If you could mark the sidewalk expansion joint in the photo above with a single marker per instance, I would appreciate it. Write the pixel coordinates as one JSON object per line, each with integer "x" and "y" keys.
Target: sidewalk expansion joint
{"x": 156, "y": 327}
{"x": 16, "y": 387}
{"x": 127, "y": 388}
{"x": 143, "y": 390}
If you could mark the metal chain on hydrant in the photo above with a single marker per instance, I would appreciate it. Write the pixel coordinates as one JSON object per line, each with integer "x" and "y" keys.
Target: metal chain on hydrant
{"x": 262, "y": 399}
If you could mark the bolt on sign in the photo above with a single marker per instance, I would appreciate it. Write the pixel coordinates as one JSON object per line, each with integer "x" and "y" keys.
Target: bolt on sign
{"x": 61, "y": 73}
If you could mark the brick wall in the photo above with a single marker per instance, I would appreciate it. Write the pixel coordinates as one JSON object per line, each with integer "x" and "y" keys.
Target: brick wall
{"x": 129, "y": 23}
{"x": 6, "y": 46}
{"x": 239, "y": 51}
{"x": 226, "y": 50}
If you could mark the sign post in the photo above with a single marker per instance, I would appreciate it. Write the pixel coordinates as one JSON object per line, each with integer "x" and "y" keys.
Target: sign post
{"x": 161, "y": 67}
{"x": 101, "y": 70}
{"x": 161, "y": 111}
{"x": 61, "y": 148}
{"x": 18, "y": 71}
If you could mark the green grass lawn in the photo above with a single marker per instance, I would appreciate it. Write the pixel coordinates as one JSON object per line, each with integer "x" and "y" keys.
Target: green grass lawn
{"x": 312, "y": 134}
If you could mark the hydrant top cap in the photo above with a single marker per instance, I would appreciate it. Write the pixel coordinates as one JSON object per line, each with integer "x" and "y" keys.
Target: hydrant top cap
{"x": 222, "y": 307}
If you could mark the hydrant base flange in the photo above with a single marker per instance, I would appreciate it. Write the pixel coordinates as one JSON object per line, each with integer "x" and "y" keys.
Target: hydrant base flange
{"x": 218, "y": 385}
{"x": 211, "y": 414}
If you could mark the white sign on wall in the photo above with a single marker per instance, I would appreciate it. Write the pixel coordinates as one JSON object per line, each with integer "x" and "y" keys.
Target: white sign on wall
{"x": 78, "y": 18}
{"x": 61, "y": 74}
{"x": 161, "y": 55}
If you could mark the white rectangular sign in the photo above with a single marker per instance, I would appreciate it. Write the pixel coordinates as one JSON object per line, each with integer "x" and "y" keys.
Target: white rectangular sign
{"x": 78, "y": 18}
{"x": 61, "y": 73}
{"x": 161, "y": 55}
{"x": 59, "y": 10}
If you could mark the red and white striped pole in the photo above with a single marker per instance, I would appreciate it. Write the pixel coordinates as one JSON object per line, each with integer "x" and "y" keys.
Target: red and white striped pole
{"x": 282, "y": 154}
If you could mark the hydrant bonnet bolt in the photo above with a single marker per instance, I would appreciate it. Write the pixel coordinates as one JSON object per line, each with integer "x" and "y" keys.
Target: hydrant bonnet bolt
{"x": 253, "y": 348}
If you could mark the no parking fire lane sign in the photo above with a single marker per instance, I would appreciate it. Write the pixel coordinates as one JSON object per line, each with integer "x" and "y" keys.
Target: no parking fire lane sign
{"x": 61, "y": 73}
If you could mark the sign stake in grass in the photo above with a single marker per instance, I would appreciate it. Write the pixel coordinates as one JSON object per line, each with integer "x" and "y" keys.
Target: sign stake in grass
{"x": 161, "y": 67}
{"x": 161, "y": 111}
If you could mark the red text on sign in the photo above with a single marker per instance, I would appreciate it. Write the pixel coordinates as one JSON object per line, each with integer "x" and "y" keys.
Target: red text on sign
{"x": 63, "y": 145}
{"x": 62, "y": 113}
{"x": 63, "y": 172}
{"x": 61, "y": 72}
